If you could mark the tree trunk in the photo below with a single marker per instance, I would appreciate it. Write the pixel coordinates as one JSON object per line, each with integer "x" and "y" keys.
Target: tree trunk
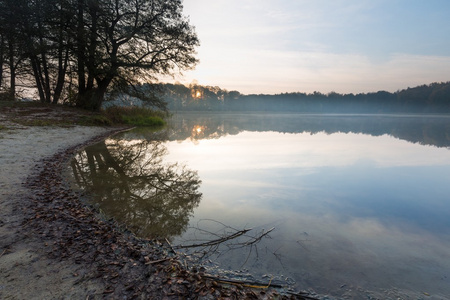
{"x": 62, "y": 68}
{"x": 93, "y": 98}
{"x": 2, "y": 60}
{"x": 37, "y": 77}
{"x": 12, "y": 68}
{"x": 81, "y": 58}
{"x": 92, "y": 47}
{"x": 63, "y": 58}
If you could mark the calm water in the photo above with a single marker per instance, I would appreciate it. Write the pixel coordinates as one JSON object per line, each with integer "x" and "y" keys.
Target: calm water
{"x": 358, "y": 206}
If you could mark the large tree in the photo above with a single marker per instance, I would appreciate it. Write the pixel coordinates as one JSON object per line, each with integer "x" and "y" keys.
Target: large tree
{"x": 100, "y": 47}
{"x": 125, "y": 43}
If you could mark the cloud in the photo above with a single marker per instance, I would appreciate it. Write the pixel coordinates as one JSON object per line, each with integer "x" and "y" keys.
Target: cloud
{"x": 249, "y": 149}
{"x": 286, "y": 46}
{"x": 271, "y": 71}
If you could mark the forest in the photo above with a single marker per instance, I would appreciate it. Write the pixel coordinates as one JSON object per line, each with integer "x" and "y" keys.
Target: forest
{"x": 427, "y": 98}
{"x": 81, "y": 52}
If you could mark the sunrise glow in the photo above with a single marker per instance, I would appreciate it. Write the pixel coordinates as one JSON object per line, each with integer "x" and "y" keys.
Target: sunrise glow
{"x": 306, "y": 46}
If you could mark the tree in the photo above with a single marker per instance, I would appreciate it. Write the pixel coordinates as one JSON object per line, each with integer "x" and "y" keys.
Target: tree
{"x": 130, "y": 42}
{"x": 11, "y": 43}
{"x": 99, "y": 47}
{"x": 45, "y": 31}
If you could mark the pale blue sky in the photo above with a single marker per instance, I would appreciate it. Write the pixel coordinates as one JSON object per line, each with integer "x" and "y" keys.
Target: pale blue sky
{"x": 268, "y": 46}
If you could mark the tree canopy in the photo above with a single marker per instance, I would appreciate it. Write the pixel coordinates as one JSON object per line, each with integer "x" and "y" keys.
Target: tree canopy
{"x": 84, "y": 50}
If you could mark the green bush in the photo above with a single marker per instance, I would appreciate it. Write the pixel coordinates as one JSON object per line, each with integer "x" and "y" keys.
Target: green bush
{"x": 136, "y": 116}
{"x": 143, "y": 120}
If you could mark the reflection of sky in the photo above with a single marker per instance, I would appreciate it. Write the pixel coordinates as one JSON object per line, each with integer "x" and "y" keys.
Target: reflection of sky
{"x": 262, "y": 150}
{"x": 369, "y": 202}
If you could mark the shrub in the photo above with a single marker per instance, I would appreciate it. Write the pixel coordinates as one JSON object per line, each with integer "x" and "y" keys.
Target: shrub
{"x": 95, "y": 120}
{"x": 143, "y": 120}
{"x": 133, "y": 115}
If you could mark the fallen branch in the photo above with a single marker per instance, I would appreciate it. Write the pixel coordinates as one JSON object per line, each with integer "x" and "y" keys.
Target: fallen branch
{"x": 251, "y": 284}
{"x": 214, "y": 242}
{"x": 257, "y": 239}
{"x": 158, "y": 261}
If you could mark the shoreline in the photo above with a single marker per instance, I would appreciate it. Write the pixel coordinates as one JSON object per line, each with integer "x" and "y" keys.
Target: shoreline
{"x": 55, "y": 246}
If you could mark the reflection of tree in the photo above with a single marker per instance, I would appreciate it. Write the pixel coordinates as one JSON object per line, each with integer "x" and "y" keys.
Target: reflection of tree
{"x": 131, "y": 184}
{"x": 416, "y": 129}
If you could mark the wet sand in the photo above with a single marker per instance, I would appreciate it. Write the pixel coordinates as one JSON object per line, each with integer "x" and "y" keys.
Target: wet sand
{"x": 26, "y": 271}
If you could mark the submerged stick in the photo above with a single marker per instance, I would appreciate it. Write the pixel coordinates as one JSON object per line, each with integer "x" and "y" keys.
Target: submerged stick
{"x": 214, "y": 242}
{"x": 252, "y": 284}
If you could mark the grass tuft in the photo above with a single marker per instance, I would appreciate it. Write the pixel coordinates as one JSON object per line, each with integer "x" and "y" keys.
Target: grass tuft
{"x": 135, "y": 116}
{"x": 95, "y": 120}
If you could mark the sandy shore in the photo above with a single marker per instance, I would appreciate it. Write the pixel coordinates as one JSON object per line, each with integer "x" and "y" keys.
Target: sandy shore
{"x": 26, "y": 271}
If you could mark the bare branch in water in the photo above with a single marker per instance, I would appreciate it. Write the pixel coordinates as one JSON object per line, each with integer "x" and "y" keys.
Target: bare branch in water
{"x": 215, "y": 242}
{"x": 207, "y": 242}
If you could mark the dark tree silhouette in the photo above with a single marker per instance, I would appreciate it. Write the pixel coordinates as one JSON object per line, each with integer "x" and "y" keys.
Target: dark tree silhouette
{"x": 82, "y": 50}
{"x": 126, "y": 42}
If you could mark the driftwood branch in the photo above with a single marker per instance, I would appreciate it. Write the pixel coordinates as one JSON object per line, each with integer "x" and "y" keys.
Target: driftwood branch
{"x": 214, "y": 242}
{"x": 251, "y": 284}
{"x": 210, "y": 243}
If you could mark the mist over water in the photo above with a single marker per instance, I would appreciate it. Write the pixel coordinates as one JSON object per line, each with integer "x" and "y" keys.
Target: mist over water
{"x": 358, "y": 204}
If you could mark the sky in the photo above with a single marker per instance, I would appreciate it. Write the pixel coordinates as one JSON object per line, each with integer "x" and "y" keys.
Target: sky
{"x": 345, "y": 46}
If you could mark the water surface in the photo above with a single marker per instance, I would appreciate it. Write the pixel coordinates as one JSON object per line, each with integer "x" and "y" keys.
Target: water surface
{"x": 358, "y": 205}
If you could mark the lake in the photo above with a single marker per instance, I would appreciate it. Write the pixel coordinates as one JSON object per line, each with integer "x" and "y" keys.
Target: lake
{"x": 343, "y": 206}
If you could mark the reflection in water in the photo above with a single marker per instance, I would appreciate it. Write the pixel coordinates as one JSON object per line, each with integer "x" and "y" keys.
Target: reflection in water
{"x": 198, "y": 132}
{"x": 359, "y": 203}
{"x": 131, "y": 183}
{"x": 425, "y": 130}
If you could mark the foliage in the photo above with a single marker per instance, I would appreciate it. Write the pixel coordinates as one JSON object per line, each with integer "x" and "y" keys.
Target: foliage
{"x": 96, "y": 120}
{"x": 136, "y": 116}
{"x": 143, "y": 121}
{"x": 96, "y": 48}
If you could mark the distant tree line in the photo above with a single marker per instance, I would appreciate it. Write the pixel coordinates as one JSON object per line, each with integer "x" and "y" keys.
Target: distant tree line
{"x": 432, "y": 98}
{"x": 84, "y": 50}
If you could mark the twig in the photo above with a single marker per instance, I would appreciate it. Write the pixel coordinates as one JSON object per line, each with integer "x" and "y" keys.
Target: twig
{"x": 303, "y": 295}
{"x": 255, "y": 240}
{"x": 158, "y": 261}
{"x": 249, "y": 253}
{"x": 170, "y": 245}
{"x": 215, "y": 242}
{"x": 251, "y": 284}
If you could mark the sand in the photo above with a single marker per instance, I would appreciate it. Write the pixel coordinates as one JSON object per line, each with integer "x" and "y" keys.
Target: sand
{"x": 25, "y": 270}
